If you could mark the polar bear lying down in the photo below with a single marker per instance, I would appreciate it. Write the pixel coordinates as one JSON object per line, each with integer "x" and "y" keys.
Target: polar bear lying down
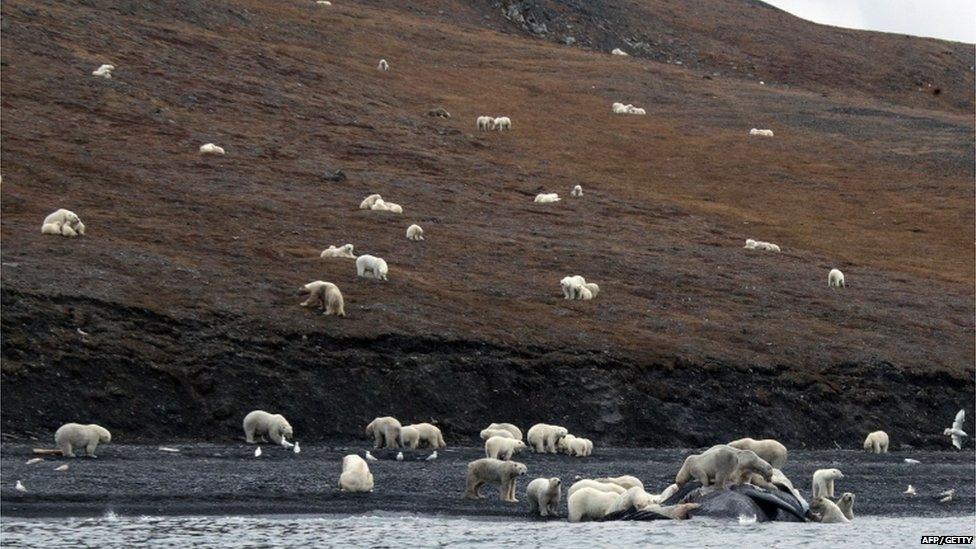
{"x": 64, "y": 223}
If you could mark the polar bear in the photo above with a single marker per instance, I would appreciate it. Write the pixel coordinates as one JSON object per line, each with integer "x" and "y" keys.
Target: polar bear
{"x": 503, "y": 448}
{"x": 415, "y": 233}
{"x": 409, "y": 437}
{"x": 835, "y": 279}
{"x": 368, "y": 202}
{"x": 564, "y": 444}
{"x": 846, "y": 505}
{"x": 633, "y": 498}
{"x": 516, "y": 432}
{"x": 75, "y": 435}
{"x": 495, "y": 471}
{"x": 383, "y": 206}
{"x": 383, "y": 65}
{"x": 325, "y": 294}
{"x": 572, "y": 286}
{"x": 827, "y": 511}
{"x": 342, "y": 251}
{"x": 546, "y": 198}
{"x": 590, "y": 504}
{"x": 618, "y": 51}
{"x": 577, "y": 191}
{"x": 355, "y": 475}
{"x": 596, "y": 485}
{"x": 210, "y": 148}
{"x": 544, "y": 438}
{"x": 626, "y": 481}
{"x": 502, "y": 123}
{"x": 104, "y": 71}
{"x": 484, "y": 123}
{"x": 823, "y": 482}
{"x": 274, "y": 427}
{"x": 385, "y": 431}
{"x": 63, "y": 222}
{"x": 429, "y": 435}
{"x": 769, "y": 449}
{"x": 594, "y": 289}
{"x": 376, "y": 266}
{"x": 580, "y": 447}
{"x": 585, "y": 294}
{"x": 489, "y": 432}
{"x": 544, "y": 495}
{"x": 722, "y": 465}
{"x": 877, "y": 442}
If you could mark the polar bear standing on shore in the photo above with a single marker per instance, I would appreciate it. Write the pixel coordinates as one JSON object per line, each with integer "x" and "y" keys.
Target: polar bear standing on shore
{"x": 722, "y": 465}
{"x": 515, "y": 431}
{"x": 376, "y": 266}
{"x": 877, "y": 442}
{"x": 63, "y": 222}
{"x": 75, "y": 435}
{"x": 495, "y": 471}
{"x": 823, "y": 482}
{"x": 385, "y": 431}
{"x": 544, "y": 495}
{"x": 545, "y": 438}
{"x": 325, "y": 294}
{"x": 355, "y": 475}
{"x": 772, "y": 451}
{"x": 503, "y": 448}
{"x": 274, "y": 427}
{"x": 429, "y": 435}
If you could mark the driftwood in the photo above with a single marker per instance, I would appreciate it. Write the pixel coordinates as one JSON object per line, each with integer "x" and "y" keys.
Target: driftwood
{"x": 47, "y": 451}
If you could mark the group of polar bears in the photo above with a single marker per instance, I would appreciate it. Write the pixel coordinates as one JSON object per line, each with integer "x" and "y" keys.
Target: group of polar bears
{"x": 388, "y": 433}
{"x": 504, "y": 440}
{"x": 551, "y": 198}
{"x": 576, "y": 287}
{"x": 835, "y": 278}
{"x": 488, "y": 123}
{"x": 620, "y": 108}
{"x": 64, "y": 223}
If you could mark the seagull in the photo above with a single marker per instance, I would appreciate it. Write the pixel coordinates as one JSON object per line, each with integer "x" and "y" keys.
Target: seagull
{"x": 432, "y": 457}
{"x": 20, "y": 487}
{"x": 286, "y": 444}
{"x": 257, "y": 453}
{"x": 399, "y": 456}
{"x": 946, "y": 497}
{"x": 296, "y": 449}
{"x": 911, "y": 461}
{"x": 33, "y": 461}
{"x": 910, "y": 492}
{"x": 956, "y": 431}
{"x": 369, "y": 456}
{"x": 63, "y": 467}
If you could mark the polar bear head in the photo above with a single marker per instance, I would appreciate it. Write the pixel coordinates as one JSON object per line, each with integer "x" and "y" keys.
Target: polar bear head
{"x": 518, "y": 469}
{"x": 103, "y": 435}
{"x": 749, "y": 461}
{"x": 285, "y": 427}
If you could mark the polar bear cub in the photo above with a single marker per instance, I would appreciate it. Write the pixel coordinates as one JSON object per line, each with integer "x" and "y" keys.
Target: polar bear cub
{"x": 104, "y": 71}
{"x": 544, "y": 438}
{"x": 415, "y": 233}
{"x": 495, "y": 471}
{"x": 761, "y": 133}
{"x": 835, "y": 279}
{"x": 503, "y": 448}
{"x": 63, "y": 222}
{"x": 544, "y": 495}
{"x": 546, "y": 198}
{"x": 355, "y": 475}
{"x": 572, "y": 286}
{"x": 877, "y": 442}
{"x": 325, "y": 294}
{"x": 274, "y": 427}
{"x": 210, "y": 148}
{"x": 75, "y": 435}
{"x": 376, "y": 266}
{"x": 385, "y": 431}
{"x": 342, "y": 251}
{"x": 823, "y": 482}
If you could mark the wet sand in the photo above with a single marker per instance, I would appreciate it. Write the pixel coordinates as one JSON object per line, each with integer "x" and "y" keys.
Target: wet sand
{"x": 214, "y": 479}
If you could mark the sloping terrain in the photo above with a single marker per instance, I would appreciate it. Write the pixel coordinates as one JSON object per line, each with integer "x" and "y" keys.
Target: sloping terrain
{"x": 178, "y": 312}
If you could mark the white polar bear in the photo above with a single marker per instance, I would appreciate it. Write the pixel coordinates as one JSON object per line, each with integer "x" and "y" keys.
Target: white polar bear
{"x": 633, "y": 498}
{"x": 593, "y": 288}
{"x": 484, "y": 123}
{"x": 503, "y": 448}
{"x": 325, "y": 294}
{"x": 274, "y": 427}
{"x": 355, "y": 475}
{"x": 577, "y": 191}
{"x": 502, "y": 123}
{"x": 489, "y": 432}
{"x": 383, "y": 65}
{"x": 827, "y": 511}
{"x": 625, "y": 481}
{"x": 636, "y": 110}
{"x": 376, "y": 266}
{"x": 545, "y": 438}
{"x": 385, "y": 431}
{"x": 769, "y": 449}
{"x": 75, "y": 435}
{"x": 409, "y": 437}
{"x": 546, "y": 198}
{"x": 572, "y": 286}
{"x": 341, "y": 251}
{"x": 589, "y": 504}
{"x": 877, "y": 442}
{"x": 564, "y": 444}
{"x": 104, "y": 71}
{"x": 835, "y": 279}
{"x": 585, "y": 294}
{"x": 596, "y": 485}
{"x": 620, "y": 108}
{"x": 63, "y": 222}
{"x": 382, "y": 206}
{"x": 368, "y": 202}
{"x": 722, "y": 465}
{"x": 578, "y": 446}
{"x": 516, "y": 432}
{"x": 761, "y": 133}
{"x": 823, "y": 482}
{"x": 846, "y": 505}
{"x": 495, "y": 471}
{"x": 618, "y": 51}
{"x": 210, "y": 148}
{"x": 428, "y": 435}
{"x": 544, "y": 495}
{"x": 415, "y": 233}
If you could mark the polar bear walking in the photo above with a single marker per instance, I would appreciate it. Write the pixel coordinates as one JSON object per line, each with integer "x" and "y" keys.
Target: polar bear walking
{"x": 502, "y": 123}
{"x": 385, "y": 431}
{"x": 325, "y": 294}
{"x": 876, "y": 442}
{"x": 484, "y": 123}
{"x": 415, "y": 233}
{"x": 74, "y": 435}
{"x": 544, "y": 495}
{"x": 835, "y": 279}
{"x": 272, "y": 426}
{"x": 544, "y": 438}
{"x": 495, "y": 471}
{"x": 376, "y": 266}
{"x": 64, "y": 223}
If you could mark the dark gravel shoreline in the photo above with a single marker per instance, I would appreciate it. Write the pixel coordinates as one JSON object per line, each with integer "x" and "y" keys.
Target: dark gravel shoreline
{"x": 225, "y": 479}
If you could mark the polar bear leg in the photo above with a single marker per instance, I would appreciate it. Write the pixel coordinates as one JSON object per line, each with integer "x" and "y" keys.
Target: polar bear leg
{"x": 377, "y": 438}
{"x": 66, "y": 449}
{"x": 830, "y": 488}
{"x": 274, "y": 435}
{"x": 90, "y": 449}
